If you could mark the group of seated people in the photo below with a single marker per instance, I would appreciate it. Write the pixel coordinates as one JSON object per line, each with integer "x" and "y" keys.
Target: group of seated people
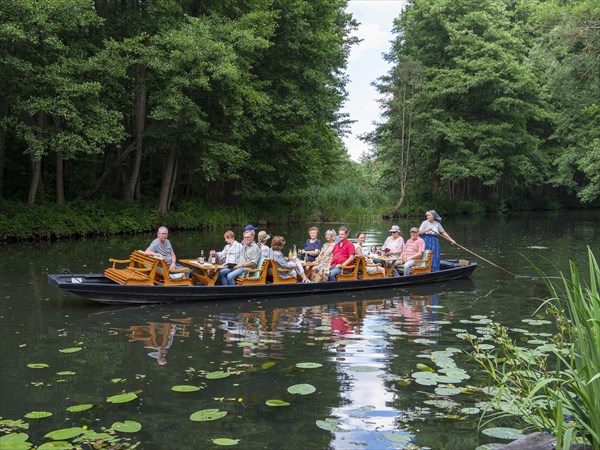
{"x": 328, "y": 259}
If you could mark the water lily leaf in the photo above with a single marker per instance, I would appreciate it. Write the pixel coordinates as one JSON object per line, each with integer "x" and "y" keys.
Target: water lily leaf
{"x": 426, "y": 381}
{"x": 65, "y": 373}
{"x": 398, "y": 438}
{"x": 80, "y": 408}
{"x": 478, "y": 317}
{"x": 64, "y": 433}
{"x": 205, "y": 415}
{"x": 56, "y": 445}
{"x": 116, "y": 380}
{"x": 218, "y": 374}
{"x": 322, "y": 338}
{"x": 225, "y": 441}
{"x": 13, "y": 438}
{"x": 504, "y": 433}
{"x": 245, "y": 344}
{"x": 37, "y": 365}
{"x": 471, "y": 410}
{"x": 536, "y": 341}
{"x": 37, "y": 414}
{"x": 129, "y": 426}
{"x": 268, "y": 364}
{"x": 442, "y": 404}
{"x": 185, "y": 388}
{"x": 362, "y": 369}
{"x": 122, "y": 398}
{"x": 19, "y": 423}
{"x": 323, "y": 328}
{"x": 71, "y": 350}
{"x": 492, "y": 446}
{"x": 535, "y": 322}
{"x": 424, "y": 367}
{"x": 330, "y": 424}
{"x": 308, "y": 365}
{"x": 448, "y": 391}
{"x": 276, "y": 402}
{"x": 486, "y": 346}
{"x": 424, "y": 341}
{"x": 302, "y": 389}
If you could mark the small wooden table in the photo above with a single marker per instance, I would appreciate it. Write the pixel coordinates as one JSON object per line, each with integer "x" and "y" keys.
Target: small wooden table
{"x": 389, "y": 269}
{"x": 206, "y": 273}
{"x": 308, "y": 266}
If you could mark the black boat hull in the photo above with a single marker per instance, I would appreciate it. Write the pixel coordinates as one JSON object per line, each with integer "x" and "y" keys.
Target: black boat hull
{"x": 100, "y": 289}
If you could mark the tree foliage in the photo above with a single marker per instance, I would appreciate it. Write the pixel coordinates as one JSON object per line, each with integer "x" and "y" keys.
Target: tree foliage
{"x": 168, "y": 99}
{"x": 508, "y": 104}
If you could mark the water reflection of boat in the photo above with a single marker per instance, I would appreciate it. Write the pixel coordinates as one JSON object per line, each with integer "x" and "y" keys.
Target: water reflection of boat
{"x": 364, "y": 301}
{"x": 99, "y": 288}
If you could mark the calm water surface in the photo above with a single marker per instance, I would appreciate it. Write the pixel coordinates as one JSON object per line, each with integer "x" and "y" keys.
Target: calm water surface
{"x": 367, "y": 344}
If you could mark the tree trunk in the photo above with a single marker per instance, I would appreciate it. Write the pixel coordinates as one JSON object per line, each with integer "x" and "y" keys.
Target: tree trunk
{"x": 3, "y": 113}
{"x": 36, "y": 163}
{"x": 140, "y": 118}
{"x": 167, "y": 180}
{"x": 60, "y": 188}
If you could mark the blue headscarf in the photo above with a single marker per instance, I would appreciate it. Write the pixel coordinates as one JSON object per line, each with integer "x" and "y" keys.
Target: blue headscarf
{"x": 435, "y": 215}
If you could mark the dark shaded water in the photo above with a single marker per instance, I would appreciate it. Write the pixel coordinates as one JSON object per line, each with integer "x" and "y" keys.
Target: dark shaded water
{"x": 367, "y": 345}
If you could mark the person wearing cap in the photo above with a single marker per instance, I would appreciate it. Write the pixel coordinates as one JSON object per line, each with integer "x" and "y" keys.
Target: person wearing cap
{"x": 429, "y": 230}
{"x": 413, "y": 250}
{"x": 263, "y": 237}
{"x": 312, "y": 246}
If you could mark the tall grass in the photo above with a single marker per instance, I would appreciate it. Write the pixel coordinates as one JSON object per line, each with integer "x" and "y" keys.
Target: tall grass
{"x": 555, "y": 388}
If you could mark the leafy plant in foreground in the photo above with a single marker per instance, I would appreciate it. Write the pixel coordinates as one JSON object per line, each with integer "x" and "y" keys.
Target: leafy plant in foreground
{"x": 556, "y": 386}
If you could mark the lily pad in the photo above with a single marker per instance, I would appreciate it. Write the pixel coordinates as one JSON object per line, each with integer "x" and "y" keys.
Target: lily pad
{"x": 399, "y": 439}
{"x": 56, "y": 445}
{"x": 14, "y": 439}
{"x": 330, "y": 424}
{"x": 37, "y": 415}
{"x": 424, "y": 367}
{"x": 268, "y": 364}
{"x": 225, "y": 441}
{"x": 122, "y": 398}
{"x": 442, "y": 404}
{"x": 308, "y": 365}
{"x": 65, "y": 373}
{"x": 37, "y": 365}
{"x": 448, "y": 391}
{"x": 302, "y": 389}
{"x": 205, "y": 415}
{"x": 276, "y": 402}
{"x": 504, "y": 433}
{"x": 64, "y": 433}
{"x": 218, "y": 374}
{"x": 471, "y": 410}
{"x": 185, "y": 388}
{"x": 80, "y": 408}
{"x": 71, "y": 350}
{"x": 129, "y": 426}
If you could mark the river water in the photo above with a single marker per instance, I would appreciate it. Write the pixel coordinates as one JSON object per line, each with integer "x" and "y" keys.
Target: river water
{"x": 362, "y": 348}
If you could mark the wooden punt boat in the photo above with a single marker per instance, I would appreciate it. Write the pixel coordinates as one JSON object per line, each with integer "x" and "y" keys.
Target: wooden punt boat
{"x": 98, "y": 288}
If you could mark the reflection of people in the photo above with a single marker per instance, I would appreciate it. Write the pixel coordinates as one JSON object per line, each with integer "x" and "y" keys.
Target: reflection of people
{"x": 162, "y": 247}
{"x": 168, "y": 332}
{"x": 413, "y": 250}
{"x": 430, "y": 229}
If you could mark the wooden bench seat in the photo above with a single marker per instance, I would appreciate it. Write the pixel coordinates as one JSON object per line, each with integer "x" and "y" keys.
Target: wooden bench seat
{"x": 141, "y": 269}
{"x": 174, "y": 277}
{"x": 350, "y": 272}
{"x": 274, "y": 272}
{"x": 364, "y": 265}
{"x": 255, "y": 276}
{"x": 423, "y": 265}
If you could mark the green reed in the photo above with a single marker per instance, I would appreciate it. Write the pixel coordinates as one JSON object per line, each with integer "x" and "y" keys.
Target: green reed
{"x": 555, "y": 388}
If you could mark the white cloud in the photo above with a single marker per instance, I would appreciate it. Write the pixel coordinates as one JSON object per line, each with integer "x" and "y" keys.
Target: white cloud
{"x": 366, "y": 64}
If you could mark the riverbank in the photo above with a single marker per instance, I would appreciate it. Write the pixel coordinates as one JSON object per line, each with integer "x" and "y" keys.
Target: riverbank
{"x": 20, "y": 222}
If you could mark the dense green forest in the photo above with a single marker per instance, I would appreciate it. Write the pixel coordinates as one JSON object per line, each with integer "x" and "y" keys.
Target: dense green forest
{"x": 125, "y": 114}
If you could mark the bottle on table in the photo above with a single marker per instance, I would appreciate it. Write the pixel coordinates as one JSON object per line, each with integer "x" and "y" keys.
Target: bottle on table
{"x": 201, "y": 259}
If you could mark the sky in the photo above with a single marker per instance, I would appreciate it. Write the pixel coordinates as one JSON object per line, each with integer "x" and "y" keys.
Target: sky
{"x": 366, "y": 64}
